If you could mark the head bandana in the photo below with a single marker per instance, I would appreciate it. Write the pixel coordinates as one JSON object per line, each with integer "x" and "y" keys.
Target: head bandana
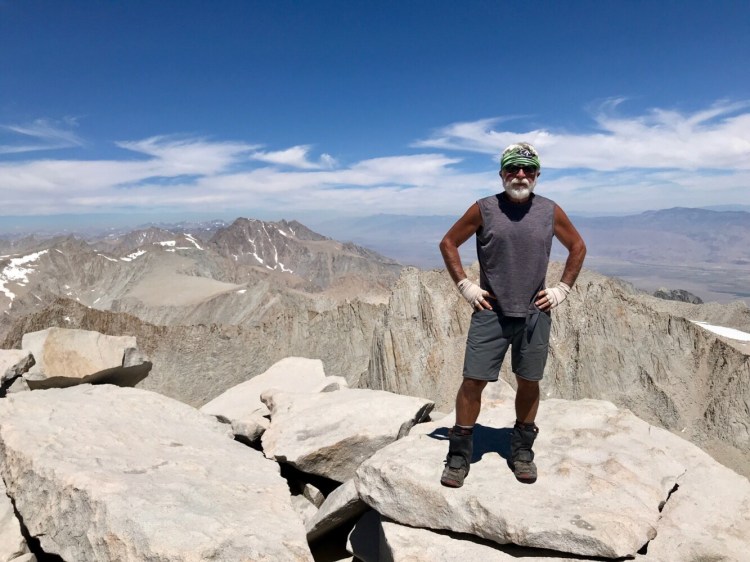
{"x": 521, "y": 154}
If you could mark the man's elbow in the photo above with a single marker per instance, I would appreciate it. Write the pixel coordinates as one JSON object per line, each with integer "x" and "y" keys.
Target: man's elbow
{"x": 579, "y": 249}
{"x": 446, "y": 244}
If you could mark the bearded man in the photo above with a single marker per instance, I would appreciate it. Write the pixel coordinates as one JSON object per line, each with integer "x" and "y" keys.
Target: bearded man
{"x": 511, "y": 304}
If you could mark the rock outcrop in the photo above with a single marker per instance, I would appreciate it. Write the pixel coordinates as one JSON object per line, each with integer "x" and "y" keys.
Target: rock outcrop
{"x": 242, "y": 407}
{"x": 68, "y": 357}
{"x": 608, "y": 342}
{"x": 103, "y": 473}
{"x": 677, "y": 295}
{"x": 194, "y": 364}
{"x": 342, "y": 505}
{"x": 418, "y": 348}
{"x": 292, "y": 248}
{"x": 172, "y": 278}
{"x": 376, "y": 538}
{"x": 331, "y": 433}
{"x": 13, "y": 547}
{"x": 13, "y": 364}
{"x": 602, "y": 479}
{"x": 610, "y": 486}
{"x": 109, "y": 473}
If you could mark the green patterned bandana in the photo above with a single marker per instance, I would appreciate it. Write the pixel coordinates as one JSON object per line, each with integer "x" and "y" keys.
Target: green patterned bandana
{"x": 521, "y": 154}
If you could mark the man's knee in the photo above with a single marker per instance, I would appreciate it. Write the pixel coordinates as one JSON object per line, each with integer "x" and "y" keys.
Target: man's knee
{"x": 527, "y": 386}
{"x": 472, "y": 388}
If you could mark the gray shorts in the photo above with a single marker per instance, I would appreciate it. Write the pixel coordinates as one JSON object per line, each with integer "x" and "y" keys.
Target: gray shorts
{"x": 490, "y": 335}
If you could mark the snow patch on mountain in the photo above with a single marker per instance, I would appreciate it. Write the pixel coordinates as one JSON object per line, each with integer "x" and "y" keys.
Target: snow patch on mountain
{"x": 134, "y": 255}
{"x": 17, "y": 271}
{"x": 730, "y": 333}
{"x": 191, "y": 239}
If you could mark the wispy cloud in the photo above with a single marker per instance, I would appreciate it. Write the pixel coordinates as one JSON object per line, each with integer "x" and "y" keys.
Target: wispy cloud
{"x": 176, "y": 156}
{"x": 42, "y": 134}
{"x": 717, "y": 137}
{"x": 656, "y": 160}
{"x": 296, "y": 157}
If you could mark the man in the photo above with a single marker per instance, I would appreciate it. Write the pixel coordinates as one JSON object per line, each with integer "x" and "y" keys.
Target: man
{"x": 514, "y": 232}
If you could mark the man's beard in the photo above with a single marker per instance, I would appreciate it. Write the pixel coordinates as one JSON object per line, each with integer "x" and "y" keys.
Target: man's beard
{"x": 519, "y": 189}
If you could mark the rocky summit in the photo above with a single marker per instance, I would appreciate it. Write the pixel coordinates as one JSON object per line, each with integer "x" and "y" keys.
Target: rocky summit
{"x": 288, "y": 415}
{"x": 104, "y": 473}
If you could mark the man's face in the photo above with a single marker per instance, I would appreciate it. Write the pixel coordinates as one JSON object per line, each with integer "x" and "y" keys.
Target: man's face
{"x": 519, "y": 181}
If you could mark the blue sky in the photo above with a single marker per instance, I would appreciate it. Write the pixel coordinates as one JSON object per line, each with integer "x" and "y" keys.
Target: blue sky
{"x": 297, "y": 109}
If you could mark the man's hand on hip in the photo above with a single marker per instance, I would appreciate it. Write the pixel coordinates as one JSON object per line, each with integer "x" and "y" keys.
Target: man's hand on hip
{"x": 474, "y": 295}
{"x": 547, "y": 299}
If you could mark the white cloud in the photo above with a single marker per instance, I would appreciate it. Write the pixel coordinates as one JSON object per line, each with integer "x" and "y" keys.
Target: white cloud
{"x": 717, "y": 137}
{"x": 46, "y": 135}
{"x": 175, "y": 156}
{"x": 599, "y": 172}
{"x": 295, "y": 157}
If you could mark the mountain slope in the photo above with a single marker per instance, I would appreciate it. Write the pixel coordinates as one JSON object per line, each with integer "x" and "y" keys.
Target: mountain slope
{"x": 238, "y": 276}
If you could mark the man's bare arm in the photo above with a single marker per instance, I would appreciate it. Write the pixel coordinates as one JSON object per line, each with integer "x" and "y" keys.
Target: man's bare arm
{"x": 459, "y": 233}
{"x": 568, "y": 236}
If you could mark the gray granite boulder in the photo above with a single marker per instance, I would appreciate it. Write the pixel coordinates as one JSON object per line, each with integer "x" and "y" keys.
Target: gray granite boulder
{"x": 241, "y": 405}
{"x": 103, "y": 473}
{"x": 13, "y": 546}
{"x": 304, "y": 508}
{"x": 609, "y": 484}
{"x": 13, "y": 364}
{"x": 341, "y": 505}
{"x": 331, "y": 433}
{"x": 602, "y": 478}
{"x": 69, "y": 357}
{"x": 375, "y": 538}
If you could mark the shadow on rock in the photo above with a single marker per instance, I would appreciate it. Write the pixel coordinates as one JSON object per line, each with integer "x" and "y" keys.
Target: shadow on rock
{"x": 486, "y": 440}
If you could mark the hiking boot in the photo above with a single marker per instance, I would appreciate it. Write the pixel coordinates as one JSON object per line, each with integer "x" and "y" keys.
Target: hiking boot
{"x": 461, "y": 444}
{"x": 522, "y": 455}
{"x": 524, "y": 471}
{"x": 454, "y": 472}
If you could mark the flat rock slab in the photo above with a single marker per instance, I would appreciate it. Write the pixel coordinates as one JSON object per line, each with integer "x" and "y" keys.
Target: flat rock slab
{"x": 374, "y": 539}
{"x": 241, "y": 405}
{"x": 341, "y": 505}
{"x": 103, "y": 473}
{"x": 69, "y": 357}
{"x": 12, "y": 544}
{"x": 708, "y": 516}
{"x": 14, "y": 363}
{"x": 331, "y": 433}
{"x": 603, "y": 475}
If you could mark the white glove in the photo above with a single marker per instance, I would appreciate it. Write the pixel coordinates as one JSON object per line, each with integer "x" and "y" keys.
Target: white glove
{"x": 472, "y": 292}
{"x": 557, "y": 294}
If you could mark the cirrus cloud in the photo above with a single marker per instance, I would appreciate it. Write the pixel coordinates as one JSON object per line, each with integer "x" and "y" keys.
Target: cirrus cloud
{"x": 660, "y": 159}
{"x": 716, "y": 137}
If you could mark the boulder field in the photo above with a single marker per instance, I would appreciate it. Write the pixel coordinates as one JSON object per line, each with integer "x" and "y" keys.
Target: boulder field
{"x": 101, "y": 472}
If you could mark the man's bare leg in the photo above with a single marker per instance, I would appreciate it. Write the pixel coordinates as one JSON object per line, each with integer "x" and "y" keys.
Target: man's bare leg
{"x": 461, "y": 438}
{"x": 527, "y": 400}
{"x": 525, "y": 431}
{"x": 469, "y": 402}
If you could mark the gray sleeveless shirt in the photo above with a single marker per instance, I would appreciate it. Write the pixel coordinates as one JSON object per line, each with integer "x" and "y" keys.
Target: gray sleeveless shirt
{"x": 513, "y": 246}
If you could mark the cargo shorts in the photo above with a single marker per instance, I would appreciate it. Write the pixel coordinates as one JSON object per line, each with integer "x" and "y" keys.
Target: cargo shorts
{"x": 490, "y": 335}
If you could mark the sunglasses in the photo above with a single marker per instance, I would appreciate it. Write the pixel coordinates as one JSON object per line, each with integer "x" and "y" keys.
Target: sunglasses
{"x": 527, "y": 170}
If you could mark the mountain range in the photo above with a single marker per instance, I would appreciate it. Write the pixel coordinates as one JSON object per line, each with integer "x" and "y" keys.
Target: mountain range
{"x": 703, "y": 251}
{"x": 226, "y": 274}
{"x": 214, "y": 305}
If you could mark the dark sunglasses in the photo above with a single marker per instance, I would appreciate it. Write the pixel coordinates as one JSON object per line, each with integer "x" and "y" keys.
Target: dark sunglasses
{"x": 513, "y": 169}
